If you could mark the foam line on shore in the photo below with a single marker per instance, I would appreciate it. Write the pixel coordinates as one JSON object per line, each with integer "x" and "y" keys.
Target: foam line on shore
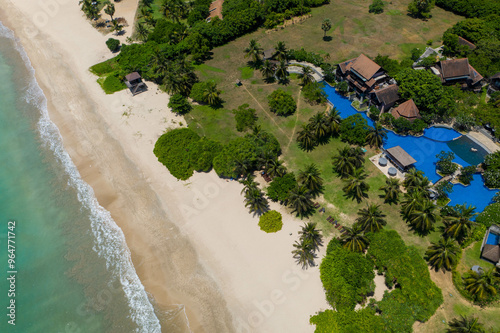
{"x": 109, "y": 239}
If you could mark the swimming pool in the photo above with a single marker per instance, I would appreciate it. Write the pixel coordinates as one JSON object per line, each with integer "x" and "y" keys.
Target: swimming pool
{"x": 493, "y": 239}
{"x": 424, "y": 150}
{"x": 475, "y": 194}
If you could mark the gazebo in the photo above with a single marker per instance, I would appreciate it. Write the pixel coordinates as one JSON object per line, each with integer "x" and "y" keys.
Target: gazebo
{"x": 134, "y": 82}
{"x": 400, "y": 157}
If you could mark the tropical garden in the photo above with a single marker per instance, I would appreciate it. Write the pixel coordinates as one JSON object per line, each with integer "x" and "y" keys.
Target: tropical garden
{"x": 278, "y": 124}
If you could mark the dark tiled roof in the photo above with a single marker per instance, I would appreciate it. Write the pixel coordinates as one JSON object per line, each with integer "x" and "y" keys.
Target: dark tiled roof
{"x": 407, "y": 110}
{"x": 491, "y": 252}
{"x": 344, "y": 65}
{"x": 474, "y": 75}
{"x": 400, "y": 155}
{"x": 454, "y": 68}
{"x": 132, "y": 76}
{"x": 463, "y": 41}
{"x": 388, "y": 95}
{"x": 365, "y": 66}
{"x": 496, "y": 76}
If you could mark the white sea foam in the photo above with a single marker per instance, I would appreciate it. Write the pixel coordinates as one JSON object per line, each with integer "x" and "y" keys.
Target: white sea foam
{"x": 109, "y": 239}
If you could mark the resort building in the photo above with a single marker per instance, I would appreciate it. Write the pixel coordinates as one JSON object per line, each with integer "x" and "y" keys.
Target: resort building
{"x": 400, "y": 158}
{"x": 407, "y": 110}
{"x": 465, "y": 42}
{"x": 134, "y": 82}
{"x": 494, "y": 83}
{"x": 362, "y": 74}
{"x": 385, "y": 98}
{"x": 490, "y": 249}
{"x": 459, "y": 71}
{"x": 215, "y": 10}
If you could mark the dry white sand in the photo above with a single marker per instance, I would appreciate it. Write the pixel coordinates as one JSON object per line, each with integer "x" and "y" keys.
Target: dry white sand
{"x": 192, "y": 242}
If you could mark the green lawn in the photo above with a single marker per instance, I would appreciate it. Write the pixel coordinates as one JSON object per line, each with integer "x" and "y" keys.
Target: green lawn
{"x": 353, "y": 31}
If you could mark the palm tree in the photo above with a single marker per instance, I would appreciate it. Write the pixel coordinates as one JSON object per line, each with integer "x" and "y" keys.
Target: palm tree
{"x": 481, "y": 286}
{"x": 443, "y": 254}
{"x": 249, "y": 183}
{"x": 174, "y": 9}
{"x": 357, "y": 155}
{"x": 110, "y": 10}
{"x": 412, "y": 177}
{"x": 303, "y": 253}
{"x": 242, "y": 166}
{"x": 276, "y": 168}
{"x": 353, "y": 238}
{"x": 325, "y": 26}
{"x": 376, "y": 136}
{"x": 392, "y": 190}
{"x": 267, "y": 70}
{"x": 371, "y": 219}
{"x": 211, "y": 95}
{"x": 334, "y": 120}
{"x": 306, "y": 138}
{"x": 307, "y": 75}
{"x": 356, "y": 187}
{"x": 319, "y": 126}
{"x": 311, "y": 178}
{"x": 281, "y": 52}
{"x": 459, "y": 224}
{"x": 117, "y": 27}
{"x": 254, "y": 51}
{"x": 410, "y": 202}
{"x": 282, "y": 71}
{"x": 300, "y": 200}
{"x": 423, "y": 217}
{"x": 344, "y": 163}
{"x": 90, "y": 8}
{"x": 256, "y": 202}
{"x": 465, "y": 325}
{"x": 310, "y": 234}
{"x": 142, "y": 31}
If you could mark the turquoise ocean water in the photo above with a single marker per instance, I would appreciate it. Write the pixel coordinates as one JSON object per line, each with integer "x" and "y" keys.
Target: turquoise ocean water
{"x": 73, "y": 271}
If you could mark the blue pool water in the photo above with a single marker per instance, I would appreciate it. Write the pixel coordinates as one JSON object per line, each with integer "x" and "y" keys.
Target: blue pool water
{"x": 475, "y": 194}
{"x": 424, "y": 150}
{"x": 493, "y": 239}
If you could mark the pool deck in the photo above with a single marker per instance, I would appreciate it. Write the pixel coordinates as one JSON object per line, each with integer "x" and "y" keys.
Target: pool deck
{"x": 385, "y": 169}
{"x": 484, "y": 141}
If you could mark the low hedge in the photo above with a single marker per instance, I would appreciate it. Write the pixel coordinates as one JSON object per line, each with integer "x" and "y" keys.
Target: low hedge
{"x": 271, "y": 221}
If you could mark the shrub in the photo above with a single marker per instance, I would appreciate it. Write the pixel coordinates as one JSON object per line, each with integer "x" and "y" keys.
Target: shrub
{"x": 280, "y": 187}
{"x": 347, "y": 278}
{"x": 282, "y": 103}
{"x": 445, "y": 163}
{"x": 137, "y": 58}
{"x": 313, "y": 93}
{"x": 376, "y": 7}
{"x": 198, "y": 91}
{"x": 112, "y": 84}
{"x": 270, "y": 221}
{"x": 476, "y": 235}
{"x": 239, "y": 149}
{"x": 490, "y": 215}
{"x": 202, "y": 153}
{"x": 113, "y": 44}
{"x": 354, "y": 129}
{"x": 466, "y": 175}
{"x": 492, "y": 178}
{"x": 464, "y": 122}
{"x": 105, "y": 67}
{"x": 342, "y": 87}
{"x": 171, "y": 149}
{"x": 179, "y": 104}
{"x": 245, "y": 117}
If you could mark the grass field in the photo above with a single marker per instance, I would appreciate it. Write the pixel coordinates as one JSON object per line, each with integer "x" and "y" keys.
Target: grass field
{"x": 353, "y": 31}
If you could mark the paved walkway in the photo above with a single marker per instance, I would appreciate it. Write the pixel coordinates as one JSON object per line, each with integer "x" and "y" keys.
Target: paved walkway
{"x": 317, "y": 70}
{"x": 485, "y": 141}
{"x": 298, "y": 70}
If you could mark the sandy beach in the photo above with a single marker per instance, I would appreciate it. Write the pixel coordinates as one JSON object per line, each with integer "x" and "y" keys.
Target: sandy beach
{"x": 193, "y": 244}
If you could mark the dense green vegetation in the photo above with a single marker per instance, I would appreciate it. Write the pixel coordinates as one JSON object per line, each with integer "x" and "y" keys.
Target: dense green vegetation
{"x": 492, "y": 173}
{"x": 282, "y": 103}
{"x": 270, "y": 221}
{"x": 471, "y": 8}
{"x": 411, "y": 300}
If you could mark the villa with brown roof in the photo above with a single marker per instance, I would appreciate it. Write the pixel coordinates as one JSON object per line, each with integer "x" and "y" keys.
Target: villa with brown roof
{"x": 465, "y": 42}
{"x": 400, "y": 157}
{"x": 407, "y": 110}
{"x": 385, "y": 98}
{"x": 362, "y": 74}
{"x": 459, "y": 71}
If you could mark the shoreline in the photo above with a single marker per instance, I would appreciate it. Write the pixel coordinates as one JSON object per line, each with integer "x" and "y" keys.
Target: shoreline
{"x": 193, "y": 242}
